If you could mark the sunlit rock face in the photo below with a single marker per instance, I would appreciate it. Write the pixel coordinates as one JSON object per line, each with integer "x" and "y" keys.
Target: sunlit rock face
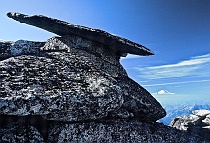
{"x": 73, "y": 88}
{"x": 197, "y": 123}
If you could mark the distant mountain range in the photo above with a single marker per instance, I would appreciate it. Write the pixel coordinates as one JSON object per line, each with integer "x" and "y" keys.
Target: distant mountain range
{"x": 163, "y": 92}
{"x": 181, "y": 110}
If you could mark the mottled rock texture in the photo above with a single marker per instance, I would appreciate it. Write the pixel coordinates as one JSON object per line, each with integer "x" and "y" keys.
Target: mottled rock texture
{"x": 118, "y": 131}
{"x": 15, "y": 132}
{"x": 20, "y": 47}
{"x": 60, "y": 86}
{"x": 66, "y": 79}
{"x": 138, "y": 102}
{"x": 197, "y": 123}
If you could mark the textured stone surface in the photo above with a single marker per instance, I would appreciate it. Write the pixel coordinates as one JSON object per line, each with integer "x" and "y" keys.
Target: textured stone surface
{"x": 43, "y": 86}
{"x": 20, "y": 47}
{"x": 118, "y": 45}
{"x": 118, "y": 131}
{"x": 89, "y": 52}
{"x": 19, "y": 133}
{"x": 197, "y": 123}
{"x": 138, "y": 102}
{"x": 65, "y": 79}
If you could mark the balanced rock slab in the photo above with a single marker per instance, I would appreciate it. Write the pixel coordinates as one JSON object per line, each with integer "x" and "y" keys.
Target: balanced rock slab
{"x": 118, "y": 44}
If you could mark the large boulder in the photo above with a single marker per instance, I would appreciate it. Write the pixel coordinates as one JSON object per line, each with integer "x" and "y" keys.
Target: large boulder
{"x": 65, "y": 79}
{"x": 60, "y": 86}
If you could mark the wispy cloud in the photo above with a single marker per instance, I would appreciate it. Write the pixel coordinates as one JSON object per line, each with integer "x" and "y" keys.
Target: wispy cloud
{"x": 195, "y": 66}
{"x": 174, "y": 83}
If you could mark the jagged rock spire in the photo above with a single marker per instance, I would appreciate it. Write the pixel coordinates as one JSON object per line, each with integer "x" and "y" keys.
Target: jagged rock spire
{"x": 118, "y": 44}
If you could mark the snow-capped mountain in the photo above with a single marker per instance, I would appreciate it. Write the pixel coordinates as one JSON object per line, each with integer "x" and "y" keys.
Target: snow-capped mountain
{"x": 163, "y": 92}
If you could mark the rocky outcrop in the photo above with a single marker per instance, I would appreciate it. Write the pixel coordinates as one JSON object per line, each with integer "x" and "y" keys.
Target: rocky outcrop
{"x": 74, "y": 89}
{"x": 197, "y": 123}
{"x": 61, "y": 81}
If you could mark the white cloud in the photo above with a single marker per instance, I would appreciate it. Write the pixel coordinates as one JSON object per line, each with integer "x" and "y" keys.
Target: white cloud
{"x": 195, "y": 66}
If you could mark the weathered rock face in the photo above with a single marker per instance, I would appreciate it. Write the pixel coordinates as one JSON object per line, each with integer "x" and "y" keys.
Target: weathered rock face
{"x": 20, "y": 47}
{"x": 138, "y": 102}
{"x": 197, "y": 123}
{"x": 118, "y": 131}
{"x": 73, "y": 89}
{"x": 19, "y": 132}
{"x": 67, "y": 80}
{"x": 62, "y": 86}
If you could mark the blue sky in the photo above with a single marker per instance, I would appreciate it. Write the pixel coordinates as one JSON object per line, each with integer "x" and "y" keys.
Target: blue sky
{"x": 178, "y": 31}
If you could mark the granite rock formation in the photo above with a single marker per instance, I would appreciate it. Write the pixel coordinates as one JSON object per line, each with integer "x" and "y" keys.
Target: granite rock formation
{"x": 70, "y": 84}
{"x": 73, "y": 88}
{"x": 197, "y": 123}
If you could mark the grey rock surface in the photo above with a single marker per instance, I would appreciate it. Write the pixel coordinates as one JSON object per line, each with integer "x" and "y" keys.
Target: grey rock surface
{"x": 116, "y": 131}
{"x": 58, "y": 89}
{"x": 89, "y": 52}
{"x": 197, "y": 123}
{"x": 68, "y": 81}
{"x": 20, "y": 47}
{"x": 117, "y": 44}
{"x": 19, "y": 133}
{"x": 138, "y": 102}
